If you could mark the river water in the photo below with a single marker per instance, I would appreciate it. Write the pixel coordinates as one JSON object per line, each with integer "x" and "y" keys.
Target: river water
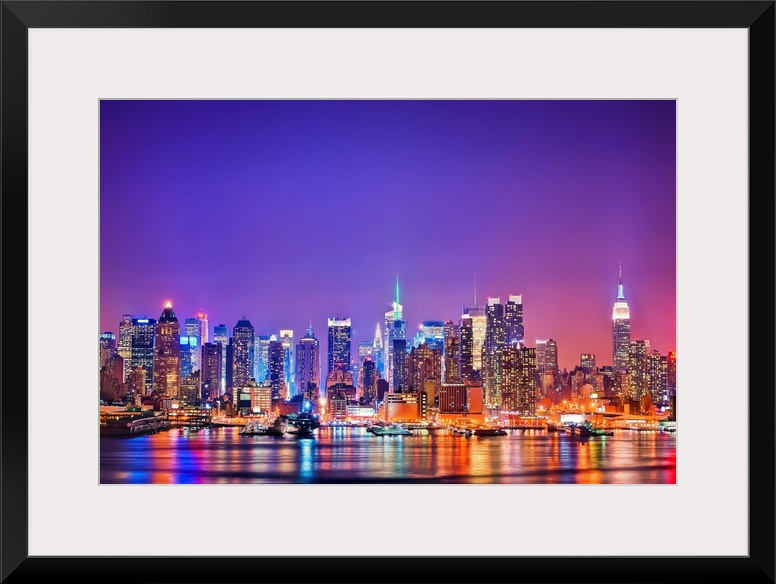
{"x": 352, "y": 455}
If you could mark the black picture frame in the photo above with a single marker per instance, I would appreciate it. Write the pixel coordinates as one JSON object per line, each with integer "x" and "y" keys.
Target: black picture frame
{"x": 19, "y": 16}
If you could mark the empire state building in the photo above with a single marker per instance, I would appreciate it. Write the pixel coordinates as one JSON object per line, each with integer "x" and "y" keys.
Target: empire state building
{"x": 620, "y": 330}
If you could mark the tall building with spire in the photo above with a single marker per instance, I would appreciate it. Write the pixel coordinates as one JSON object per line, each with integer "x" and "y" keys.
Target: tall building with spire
{"x": 377, "y": 351}
{"x": 308, "y": 361}
{"x": 620, "y": 330}
{"x": 479, "y": 325}
{"x": 395, "y": 329}
{"x": 167, "y": 361}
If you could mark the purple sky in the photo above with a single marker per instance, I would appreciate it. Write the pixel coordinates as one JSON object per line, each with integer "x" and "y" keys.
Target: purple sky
{"x": 291, "y": 211}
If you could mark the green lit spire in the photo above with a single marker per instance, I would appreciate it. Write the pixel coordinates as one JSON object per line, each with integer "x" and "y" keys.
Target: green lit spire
{"x": 396, "y": 306}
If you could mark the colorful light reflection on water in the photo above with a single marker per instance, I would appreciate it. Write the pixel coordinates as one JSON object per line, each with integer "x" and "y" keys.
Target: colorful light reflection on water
{"x": 352, "y": 455}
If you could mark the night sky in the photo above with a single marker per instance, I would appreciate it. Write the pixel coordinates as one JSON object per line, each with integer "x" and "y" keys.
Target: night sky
{"x": 291, "y": 211}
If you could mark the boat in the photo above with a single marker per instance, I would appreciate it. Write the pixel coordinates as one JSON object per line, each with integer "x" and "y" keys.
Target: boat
{"x": 254, "y": 429}
{"x": 278, "y": 428}
{"x": 489, "y": 431}
{"x": 305, "y": 432}
{"x": 587, "y": 429}
{"x": 391, "y": 430}
{"x": 553, "y": 427}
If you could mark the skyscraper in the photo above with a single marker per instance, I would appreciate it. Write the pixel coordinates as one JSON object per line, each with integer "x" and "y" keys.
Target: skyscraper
{"x": 242, "y": 352}
{"x": 452, "y": 347}
{"x": 433, "y": 333}
{"x": 368, "y": 378}
{"x": 637, "y": 368}
{"x": 192, "y": 329}
{"x": 188, "y": 349}
{"x": 262, "y": 356}
{"x": 275, "y": 363}
{"x": 620, "y": 330}
{"x": 466, "y": 359}
{"x": 399, "y": 354}
{"x": 107, "y": 348}
{"x": 167, "y": 361}
{"x": 671, "y": 373}
{"x": 142, "y": 351}
{"x": 365, "y": 349}
{"x": 395, "y": 328}
{"x": 513, "y": 320}
{"x": 221, "y": 335}
{"x": 339, "y": 343}
{"x": 289, "y": 361}
{"x": 124, "y": 345}
{"x": 204, "y": 337}
{"x": 587, "y": 362}
{"x": 479, "y": 326}
{"x": 495, "y": 337}
{"x": 425, "y": 366}
{"x": 657, "y": 369}
{"x": 547, "y": 356}
{"x": 211, "y": 370}
{"x": 377, "y": 351}
{"x": 519, "y": 379}
{"x": 308, "y": 361}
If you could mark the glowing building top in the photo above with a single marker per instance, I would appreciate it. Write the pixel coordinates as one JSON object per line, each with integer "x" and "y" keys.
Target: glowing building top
{"x": 620, "y": 310}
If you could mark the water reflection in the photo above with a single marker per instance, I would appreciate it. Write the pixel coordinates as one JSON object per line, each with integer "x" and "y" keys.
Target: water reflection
{"x": 351, "y": 455}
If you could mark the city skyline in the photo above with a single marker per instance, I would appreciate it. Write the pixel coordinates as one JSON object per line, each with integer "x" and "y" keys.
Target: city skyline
{"x": 591, "y": 184}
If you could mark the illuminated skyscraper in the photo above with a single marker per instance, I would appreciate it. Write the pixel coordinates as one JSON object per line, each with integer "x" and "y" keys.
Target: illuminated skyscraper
{"x": 479, "y": 327}
{"x": 289, "y": 361}
{"x": 395, "y": 328}
{"x": 657, "y": 369}
{"x": 671, "y": 373}
{"x": 276, "y": 360}
{"x": 124, "y": 345}
{"x": 587, "y": 362}
{"x": 513, "y": 320}
{"x": 221, "y": 335}
{"x": 425, "y": 369}
{"x": 262, "y": 356}
{"x": 192, "y": 329}
{"x": 519, "y": 379}
{"x": 466, "y": 360}
{"x": 242, "y": 353}
{"x": 339, "y": 343}
{"x": 547, "y": 356}
{"x": 167, "y": 360}
{"x": 399, "y": 353}
{"x": 620, "y": 330}
{"x": 452, "y": 348}
{"x": 188, "y": 349}
{"x": 107, "y": 349}
{"x": 211, "y": 370}
{"x": 308, "y": 361}
{"x": 204, "y": 336}
{"x": 433, "y": 333}
{"x": 637, "y": 368}
{"x": 365, "y": 349}
{"x": 377, "y": 351}
{"x": 143, "y": 336}
{"x": 495, "y": 337}
{"x": 368, "y": 380}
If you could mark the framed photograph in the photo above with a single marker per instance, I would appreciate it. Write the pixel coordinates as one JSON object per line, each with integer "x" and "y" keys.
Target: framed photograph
{"x": 383, "y": 284}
